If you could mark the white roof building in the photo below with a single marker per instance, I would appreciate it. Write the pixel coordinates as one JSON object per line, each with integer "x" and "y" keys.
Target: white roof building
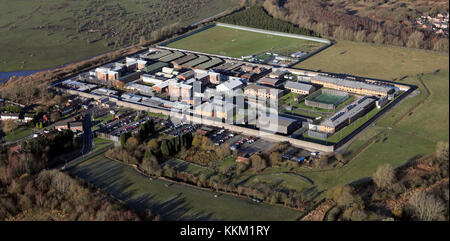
{"x": 229, "y": 86}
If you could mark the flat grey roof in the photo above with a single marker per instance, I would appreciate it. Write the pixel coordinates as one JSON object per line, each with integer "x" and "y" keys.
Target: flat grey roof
{"x": 354, "y": 84}
{"x": 299, "y": 86}
{"x": 348, "y": 112}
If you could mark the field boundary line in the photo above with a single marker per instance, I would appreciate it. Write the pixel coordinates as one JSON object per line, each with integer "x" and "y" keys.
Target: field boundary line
{"x": 419, "y": 104}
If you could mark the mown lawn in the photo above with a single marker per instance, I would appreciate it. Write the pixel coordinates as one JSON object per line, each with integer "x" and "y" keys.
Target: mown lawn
{"x": 19, "y": 133}
{"x": 190, "y": 168}
{"x": 375, "y": 61}
{"x": 237, "y": 43}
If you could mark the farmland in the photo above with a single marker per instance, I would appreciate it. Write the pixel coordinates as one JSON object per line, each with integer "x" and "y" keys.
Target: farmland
{"x": 237, "y": 43}
{"x": 44, "y": 34}
{"x": 173, "y": 201}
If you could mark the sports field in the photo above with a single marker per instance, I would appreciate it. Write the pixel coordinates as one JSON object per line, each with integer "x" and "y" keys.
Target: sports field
{"x": 328, "y": 99}
{"x": 174, "y": 201}
{"x": 237, "y": 43}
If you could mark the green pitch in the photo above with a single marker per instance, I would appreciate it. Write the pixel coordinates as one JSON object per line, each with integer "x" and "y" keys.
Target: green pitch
{"x": 237, "y": 43}
{"x": 328, "y": 99}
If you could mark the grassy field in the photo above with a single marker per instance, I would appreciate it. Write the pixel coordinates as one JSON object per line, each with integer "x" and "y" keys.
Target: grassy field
{"x": 237, "y": 43}
{"x": 282, "y": 180}
{"x": 19, "y": 133}
{"x": 389, "y": 63}
{"x": 188, "y": 167}
{"x": 412, "y": 129}
{"x": 173, "y": 201}
{"x": 43, "y": 34}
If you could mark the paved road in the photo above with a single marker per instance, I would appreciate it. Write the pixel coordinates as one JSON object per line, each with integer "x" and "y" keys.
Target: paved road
{"x": 88, "y": 138}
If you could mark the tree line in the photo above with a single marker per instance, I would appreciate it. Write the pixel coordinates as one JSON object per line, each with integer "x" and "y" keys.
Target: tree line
{"x": 31, "y": 192}
{"x": 342, "y": 26}
{"x": 257, "y": 17}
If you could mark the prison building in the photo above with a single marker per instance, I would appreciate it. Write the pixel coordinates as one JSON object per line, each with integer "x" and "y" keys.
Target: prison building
{"x": 210, "y": 64}
{"x": 348, "y": 115}
{"x": 299, "y": 88}
{"x": 284, "y": 125}
{"x": 255, "y": 91}
{"x": 186, "y": 75}
{"x": 155, "y": 54}
{"x": 153, "y": 79}
{"x": 155, "y": 67}
{"x": 180, "y": 90}
{"x": 171, "y": 57}
{"x": 177, "y": 64}
{"x": 195, "y": 62}
{"x": 269, "y": 81}
{"x": 357, "y": 87}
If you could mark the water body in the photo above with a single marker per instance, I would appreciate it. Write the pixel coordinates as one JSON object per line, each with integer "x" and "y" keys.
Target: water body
{"x": 4, "y": 76}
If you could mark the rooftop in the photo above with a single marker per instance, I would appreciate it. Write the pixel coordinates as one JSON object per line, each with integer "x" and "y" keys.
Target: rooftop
{"x": 348, "y": 112}
{"x": 354, "y": 84}
{"x": 298, "y": 85}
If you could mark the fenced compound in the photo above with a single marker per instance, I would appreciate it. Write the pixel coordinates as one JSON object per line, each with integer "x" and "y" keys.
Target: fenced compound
{"x": 326, "y": 99}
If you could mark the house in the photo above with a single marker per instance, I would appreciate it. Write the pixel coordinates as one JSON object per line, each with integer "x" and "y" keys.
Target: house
{"x": 9, "y": 116}
{"x": 76, "y": 126}
{"x": 28, "y": 117}
{"x": 63, "y": 125}
{"x": 299, "y": 88}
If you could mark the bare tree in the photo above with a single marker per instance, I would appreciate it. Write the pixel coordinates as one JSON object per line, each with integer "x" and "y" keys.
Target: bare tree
{"x": 425, "y": 207}
{"x": 442, "y": 151}
{"x": 9, "y": 126}
{"x": 384, "y": 176}
{"x": 415, "y": 40}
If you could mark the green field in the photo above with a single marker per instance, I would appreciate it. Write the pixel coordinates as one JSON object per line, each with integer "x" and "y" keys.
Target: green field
{"x": 19, "y": 133}
{"x": 382, "y": 62}
{"x": 36, "y": 34}
{"x": 237, "y": 43}
{"x": 190, "y": 168}
{"x": 173, "y": 201}
{"x": 411, "y": 130}
{"x": 328, "y": 99}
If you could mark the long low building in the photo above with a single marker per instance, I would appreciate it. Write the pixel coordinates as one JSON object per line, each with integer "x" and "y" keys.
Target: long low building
{"x": 299, "y": 88}
{"x": 348, "y": 115}
{"x": 284, "y": 125}
{"x": 357, "y": 87}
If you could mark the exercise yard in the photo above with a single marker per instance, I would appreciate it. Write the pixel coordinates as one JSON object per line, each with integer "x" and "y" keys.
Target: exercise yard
{"x": 238, "y": 43}
{"x": 328, "y": 98}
